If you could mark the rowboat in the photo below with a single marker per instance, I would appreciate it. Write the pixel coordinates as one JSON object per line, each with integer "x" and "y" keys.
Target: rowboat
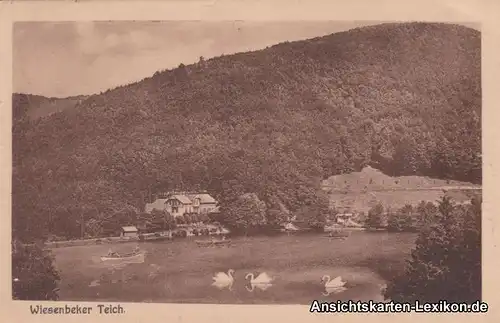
{"x": 136, "y": 257}
{"x": 213, "y": 243}
{"x": 338, "y": 234}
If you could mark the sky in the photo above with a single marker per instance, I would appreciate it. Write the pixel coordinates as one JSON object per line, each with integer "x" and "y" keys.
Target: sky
{"x": 60, "y": 59}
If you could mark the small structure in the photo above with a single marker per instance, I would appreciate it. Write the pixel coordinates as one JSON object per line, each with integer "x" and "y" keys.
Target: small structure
{"x": 291, "y": 227}
{"x": 129, "y": 231}
{"x": 343, "y": 218}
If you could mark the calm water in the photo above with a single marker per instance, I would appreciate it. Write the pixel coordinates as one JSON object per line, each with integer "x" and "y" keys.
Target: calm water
{"x": 182, "y": 272}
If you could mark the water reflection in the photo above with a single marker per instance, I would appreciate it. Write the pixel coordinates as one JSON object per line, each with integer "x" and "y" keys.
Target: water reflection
{"x": 154, "y": 271}
{"x": 223, "y": 285}
{"x": 260, "y": 286}
{"x": 223, "y": 280}
{"x": 333, "y": 290}
{"x": 95, "y": 283}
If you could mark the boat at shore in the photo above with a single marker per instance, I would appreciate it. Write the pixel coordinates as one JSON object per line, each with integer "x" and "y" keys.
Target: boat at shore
{"x": 135, "y": 257}
{"x": 338, "y": 234}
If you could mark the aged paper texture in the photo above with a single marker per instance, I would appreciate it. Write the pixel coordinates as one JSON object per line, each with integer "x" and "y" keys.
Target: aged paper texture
{"x": 241, "y": 161}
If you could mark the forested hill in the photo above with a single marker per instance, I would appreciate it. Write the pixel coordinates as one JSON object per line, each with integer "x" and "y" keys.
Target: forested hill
{"x": 404, "y": 98}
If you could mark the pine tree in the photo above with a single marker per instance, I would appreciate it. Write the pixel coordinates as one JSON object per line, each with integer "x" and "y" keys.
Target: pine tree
{"x": 446, "y": 262}
{"x": 375, "y": 217}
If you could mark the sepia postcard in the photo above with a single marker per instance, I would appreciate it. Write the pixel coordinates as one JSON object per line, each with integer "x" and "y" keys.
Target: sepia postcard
{"x": 247, "y": 161}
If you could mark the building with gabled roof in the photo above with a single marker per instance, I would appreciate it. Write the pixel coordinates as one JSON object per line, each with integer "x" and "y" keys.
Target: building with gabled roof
{"x": 180, "y": 203}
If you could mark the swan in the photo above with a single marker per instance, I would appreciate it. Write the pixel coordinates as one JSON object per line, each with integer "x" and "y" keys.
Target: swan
{"x": 335, "y": 285}
{"x": 263, "y": 278}
{"x": 222, "y": 280}
{"x": 332, "y": 283}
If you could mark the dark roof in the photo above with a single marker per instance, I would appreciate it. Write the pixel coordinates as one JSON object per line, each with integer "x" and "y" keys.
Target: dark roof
{"x": 204, "y": 198}
{"x": 181, "y": 198}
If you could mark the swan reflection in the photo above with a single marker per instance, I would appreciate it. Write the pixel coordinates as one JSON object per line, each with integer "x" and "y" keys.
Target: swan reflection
{"x": 333, "y": 290}
{"x": 223, "y": 280}
{"x": 262, "y": 286}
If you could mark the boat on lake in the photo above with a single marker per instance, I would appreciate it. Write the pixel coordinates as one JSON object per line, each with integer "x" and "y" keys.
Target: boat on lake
{"x": 137, "y": 257}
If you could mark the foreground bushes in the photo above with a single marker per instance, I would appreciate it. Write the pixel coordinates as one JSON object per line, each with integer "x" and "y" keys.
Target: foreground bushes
{"x": 446, "y": 262}
{"x": 33, "y": 273}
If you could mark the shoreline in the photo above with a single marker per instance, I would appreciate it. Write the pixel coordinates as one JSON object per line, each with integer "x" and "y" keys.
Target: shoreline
{"x": 163, "y": 236}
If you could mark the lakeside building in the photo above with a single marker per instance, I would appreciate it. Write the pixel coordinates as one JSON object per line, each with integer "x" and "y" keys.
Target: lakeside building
{"x": 180, "y": 203}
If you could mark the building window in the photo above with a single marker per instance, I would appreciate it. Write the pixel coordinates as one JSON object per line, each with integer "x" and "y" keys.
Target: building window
{"x": 175, "y": 209}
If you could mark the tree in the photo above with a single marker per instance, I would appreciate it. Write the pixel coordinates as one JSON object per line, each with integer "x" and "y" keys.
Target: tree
{"x": 204, "y": 217}
{"x": 314, "y": 215}
{"x": 375, "y": 217}
{"x": 145, "y": 220}
{"x": 394, "y": 221}
{"x": 276, "y": 213}
{"x": 162, "y": 220}
{"x": 402, "y": 220}
{"x": 157, "y": 220}
{"x": 275, "y": 216}
{"x": 168, "y": 221}
{"x": 33, "y": 273}
{"x": 246, "y": 212}
{"x": 187, "y": 218}
{"x": 446, "y": 262}
{"x": 179, "y": 220}
{"x": 426, "y": 214}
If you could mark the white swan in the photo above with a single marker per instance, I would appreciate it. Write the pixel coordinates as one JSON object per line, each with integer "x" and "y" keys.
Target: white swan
{"x": 263, "y": 278}
{"x": 223, "y": 280}
{"x": 262, "y": 282}
{"x": 331, "y": 283}
{"x": 335, "y": 285}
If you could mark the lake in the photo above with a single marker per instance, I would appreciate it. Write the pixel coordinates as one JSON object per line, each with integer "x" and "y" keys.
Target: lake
{"x": 181, "y": 272}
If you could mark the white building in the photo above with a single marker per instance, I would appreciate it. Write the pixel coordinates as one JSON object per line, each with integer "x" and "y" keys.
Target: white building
{"x": 183, "y": 202}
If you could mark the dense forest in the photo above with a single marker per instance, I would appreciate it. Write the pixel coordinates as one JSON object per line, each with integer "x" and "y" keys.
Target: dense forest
{"x": 404, "y": 98}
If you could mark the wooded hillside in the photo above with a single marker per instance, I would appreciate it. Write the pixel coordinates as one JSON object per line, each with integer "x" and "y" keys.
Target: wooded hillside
{"x": 404, "y": 98}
